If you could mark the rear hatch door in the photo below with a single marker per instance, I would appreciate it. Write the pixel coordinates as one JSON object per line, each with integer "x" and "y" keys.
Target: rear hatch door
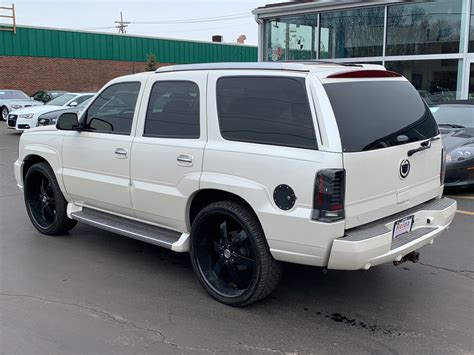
{"x": 391, "y": 146}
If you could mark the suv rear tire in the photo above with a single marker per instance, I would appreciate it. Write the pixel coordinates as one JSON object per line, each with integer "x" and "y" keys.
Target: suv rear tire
{"x": 45, "y": 203}
{"x": 230, "y": 255}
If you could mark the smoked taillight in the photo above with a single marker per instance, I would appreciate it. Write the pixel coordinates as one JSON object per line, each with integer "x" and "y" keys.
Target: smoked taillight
{"x": 329, "y": 191}
{"x": 442, "y": 173}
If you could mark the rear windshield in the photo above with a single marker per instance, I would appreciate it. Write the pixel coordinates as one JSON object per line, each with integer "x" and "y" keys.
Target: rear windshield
{"x": 379, "y": 114}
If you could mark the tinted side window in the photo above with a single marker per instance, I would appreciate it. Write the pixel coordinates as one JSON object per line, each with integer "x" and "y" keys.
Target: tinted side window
{"x": 265, "y": 110}
{"x": 38, "y": 96}
{"x": 173, "y": 110}
{"x": 112, "y": 111}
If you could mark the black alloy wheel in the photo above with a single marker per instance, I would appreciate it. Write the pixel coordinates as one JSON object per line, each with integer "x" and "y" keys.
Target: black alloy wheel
{"x": 45, "y": 203}
{"x": 42, "y": 200}
{"x": 230, "y": 254}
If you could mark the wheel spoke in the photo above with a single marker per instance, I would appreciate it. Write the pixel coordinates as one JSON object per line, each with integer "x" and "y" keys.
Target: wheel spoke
{"x": 234, "y": 274}
{"x": 48, "y": 187}
{"x": 218, "y": 267}
{"x": 49, "y": 211}
{"x": 223, "y": 233}
{"x": 218, "y": 248}
{"x": 42, "y": 189}
{"x": 243, "y": 260}
{"x": 239, "y": 239}
{"x": 42, "y": 211}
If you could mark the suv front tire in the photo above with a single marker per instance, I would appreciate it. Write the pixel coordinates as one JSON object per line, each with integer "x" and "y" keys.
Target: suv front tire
{"x": 45, "y": 203}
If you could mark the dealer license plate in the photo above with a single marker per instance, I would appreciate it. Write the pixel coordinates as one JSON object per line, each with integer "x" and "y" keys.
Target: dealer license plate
{"x": 402, "y": 226}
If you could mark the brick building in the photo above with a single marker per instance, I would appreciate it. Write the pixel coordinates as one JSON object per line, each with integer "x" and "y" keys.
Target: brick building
{"x": 42, "y": 58}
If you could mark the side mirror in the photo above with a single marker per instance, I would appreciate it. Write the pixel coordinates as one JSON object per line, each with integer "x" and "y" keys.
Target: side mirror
{"x": 68, "y": 122}
{"x": 73, "y": 104}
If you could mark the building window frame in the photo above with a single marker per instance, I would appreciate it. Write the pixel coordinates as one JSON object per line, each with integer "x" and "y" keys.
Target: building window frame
{"x": 464, "y": 56}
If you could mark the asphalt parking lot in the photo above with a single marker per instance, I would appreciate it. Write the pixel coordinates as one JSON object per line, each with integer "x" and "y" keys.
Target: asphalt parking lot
{"x": 95, "y": 292}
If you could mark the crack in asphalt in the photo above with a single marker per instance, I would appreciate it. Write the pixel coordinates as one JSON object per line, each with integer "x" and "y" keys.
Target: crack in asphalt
{"x": 249, "y": 347}
{"x": 114, "y": 318}
{"x": 459, "y": 272}
{"x": 9, "y": 195}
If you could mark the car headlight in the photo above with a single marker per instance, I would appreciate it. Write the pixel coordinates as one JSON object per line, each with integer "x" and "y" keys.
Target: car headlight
{"x": 460, "y": 154}
{"x": 16, "y": 107}
{"x": 27, "y": 115}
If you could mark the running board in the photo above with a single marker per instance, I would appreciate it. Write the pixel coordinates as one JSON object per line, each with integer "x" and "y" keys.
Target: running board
{"x": 137, "y": 230}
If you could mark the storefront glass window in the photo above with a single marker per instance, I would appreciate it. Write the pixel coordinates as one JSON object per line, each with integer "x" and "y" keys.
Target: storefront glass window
{"x": 471, "y": 83}
{"x": 471, "y": 32}
{"x": 352, "y": 33}
{"x": 291, "y": 38}
{"x": 424, "y": 28}
{"x": 435, "y": 80}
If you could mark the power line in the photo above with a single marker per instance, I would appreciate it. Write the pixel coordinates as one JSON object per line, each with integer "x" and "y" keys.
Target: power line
{"x": 195, "y": 20}
{"x": 97, "y": 28}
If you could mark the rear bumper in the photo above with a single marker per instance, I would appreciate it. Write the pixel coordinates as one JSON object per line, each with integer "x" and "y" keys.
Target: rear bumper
{"x": 372, "y": 244}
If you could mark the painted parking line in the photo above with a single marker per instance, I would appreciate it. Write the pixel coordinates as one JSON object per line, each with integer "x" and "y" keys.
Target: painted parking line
{"x": 465, "y": 212}
{"x": 462, "y": 197}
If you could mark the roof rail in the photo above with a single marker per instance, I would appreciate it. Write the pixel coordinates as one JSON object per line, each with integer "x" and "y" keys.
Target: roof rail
{"x": 318, "y": 61}
{"x": 238, "y": 65}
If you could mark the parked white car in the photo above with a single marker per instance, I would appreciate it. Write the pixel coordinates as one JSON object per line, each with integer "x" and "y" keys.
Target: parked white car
{"x": 246, "y": 166}
{"x": 27, "y": 118}
{"x": 13, "y": 100}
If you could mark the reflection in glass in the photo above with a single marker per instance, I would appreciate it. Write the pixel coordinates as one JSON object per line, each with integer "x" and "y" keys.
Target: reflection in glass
{"x": 424, "y": 28}
{"x": 352, "y": 33}
{"x": 435, "y": 80}
{"x": 471, "y": 32}
{"x": 275, "y": 48}
{"x": 471, "y": 83}
{"x": 290, "y": 38}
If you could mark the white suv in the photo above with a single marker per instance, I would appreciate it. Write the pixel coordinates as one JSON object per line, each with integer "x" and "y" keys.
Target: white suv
{"x": 246, "y": 166}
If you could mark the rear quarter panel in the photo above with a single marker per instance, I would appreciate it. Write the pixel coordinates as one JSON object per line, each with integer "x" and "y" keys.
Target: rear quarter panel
{"x": 252, "y": 171}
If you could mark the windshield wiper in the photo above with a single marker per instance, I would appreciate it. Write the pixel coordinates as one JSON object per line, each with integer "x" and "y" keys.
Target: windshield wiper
{"x": 451, "y": 125}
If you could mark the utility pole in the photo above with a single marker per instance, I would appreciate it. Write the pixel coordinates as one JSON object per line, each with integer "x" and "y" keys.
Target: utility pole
{"x": 121, "y": 25}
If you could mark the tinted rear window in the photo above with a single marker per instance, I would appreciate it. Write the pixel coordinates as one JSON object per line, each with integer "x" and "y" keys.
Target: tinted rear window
{"x": 173, "y": 110}
{"x": 265, "y": 110}
{"x": 379, "y": 114}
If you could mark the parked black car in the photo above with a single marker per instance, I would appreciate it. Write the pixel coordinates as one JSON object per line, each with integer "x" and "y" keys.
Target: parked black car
{"x": 47, "y": 95}
{"x": 456, "y": 123}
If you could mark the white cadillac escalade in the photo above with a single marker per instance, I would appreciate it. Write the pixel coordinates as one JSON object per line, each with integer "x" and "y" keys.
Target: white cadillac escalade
{"x": 247, "y": 166}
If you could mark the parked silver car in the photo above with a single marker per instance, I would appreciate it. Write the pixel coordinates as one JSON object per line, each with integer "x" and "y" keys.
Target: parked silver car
{"x": 13, "y": 100}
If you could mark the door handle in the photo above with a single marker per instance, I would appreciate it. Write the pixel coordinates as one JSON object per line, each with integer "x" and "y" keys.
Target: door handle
{"x": 185, "y": 159}
{"x": 121, "y": 153}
